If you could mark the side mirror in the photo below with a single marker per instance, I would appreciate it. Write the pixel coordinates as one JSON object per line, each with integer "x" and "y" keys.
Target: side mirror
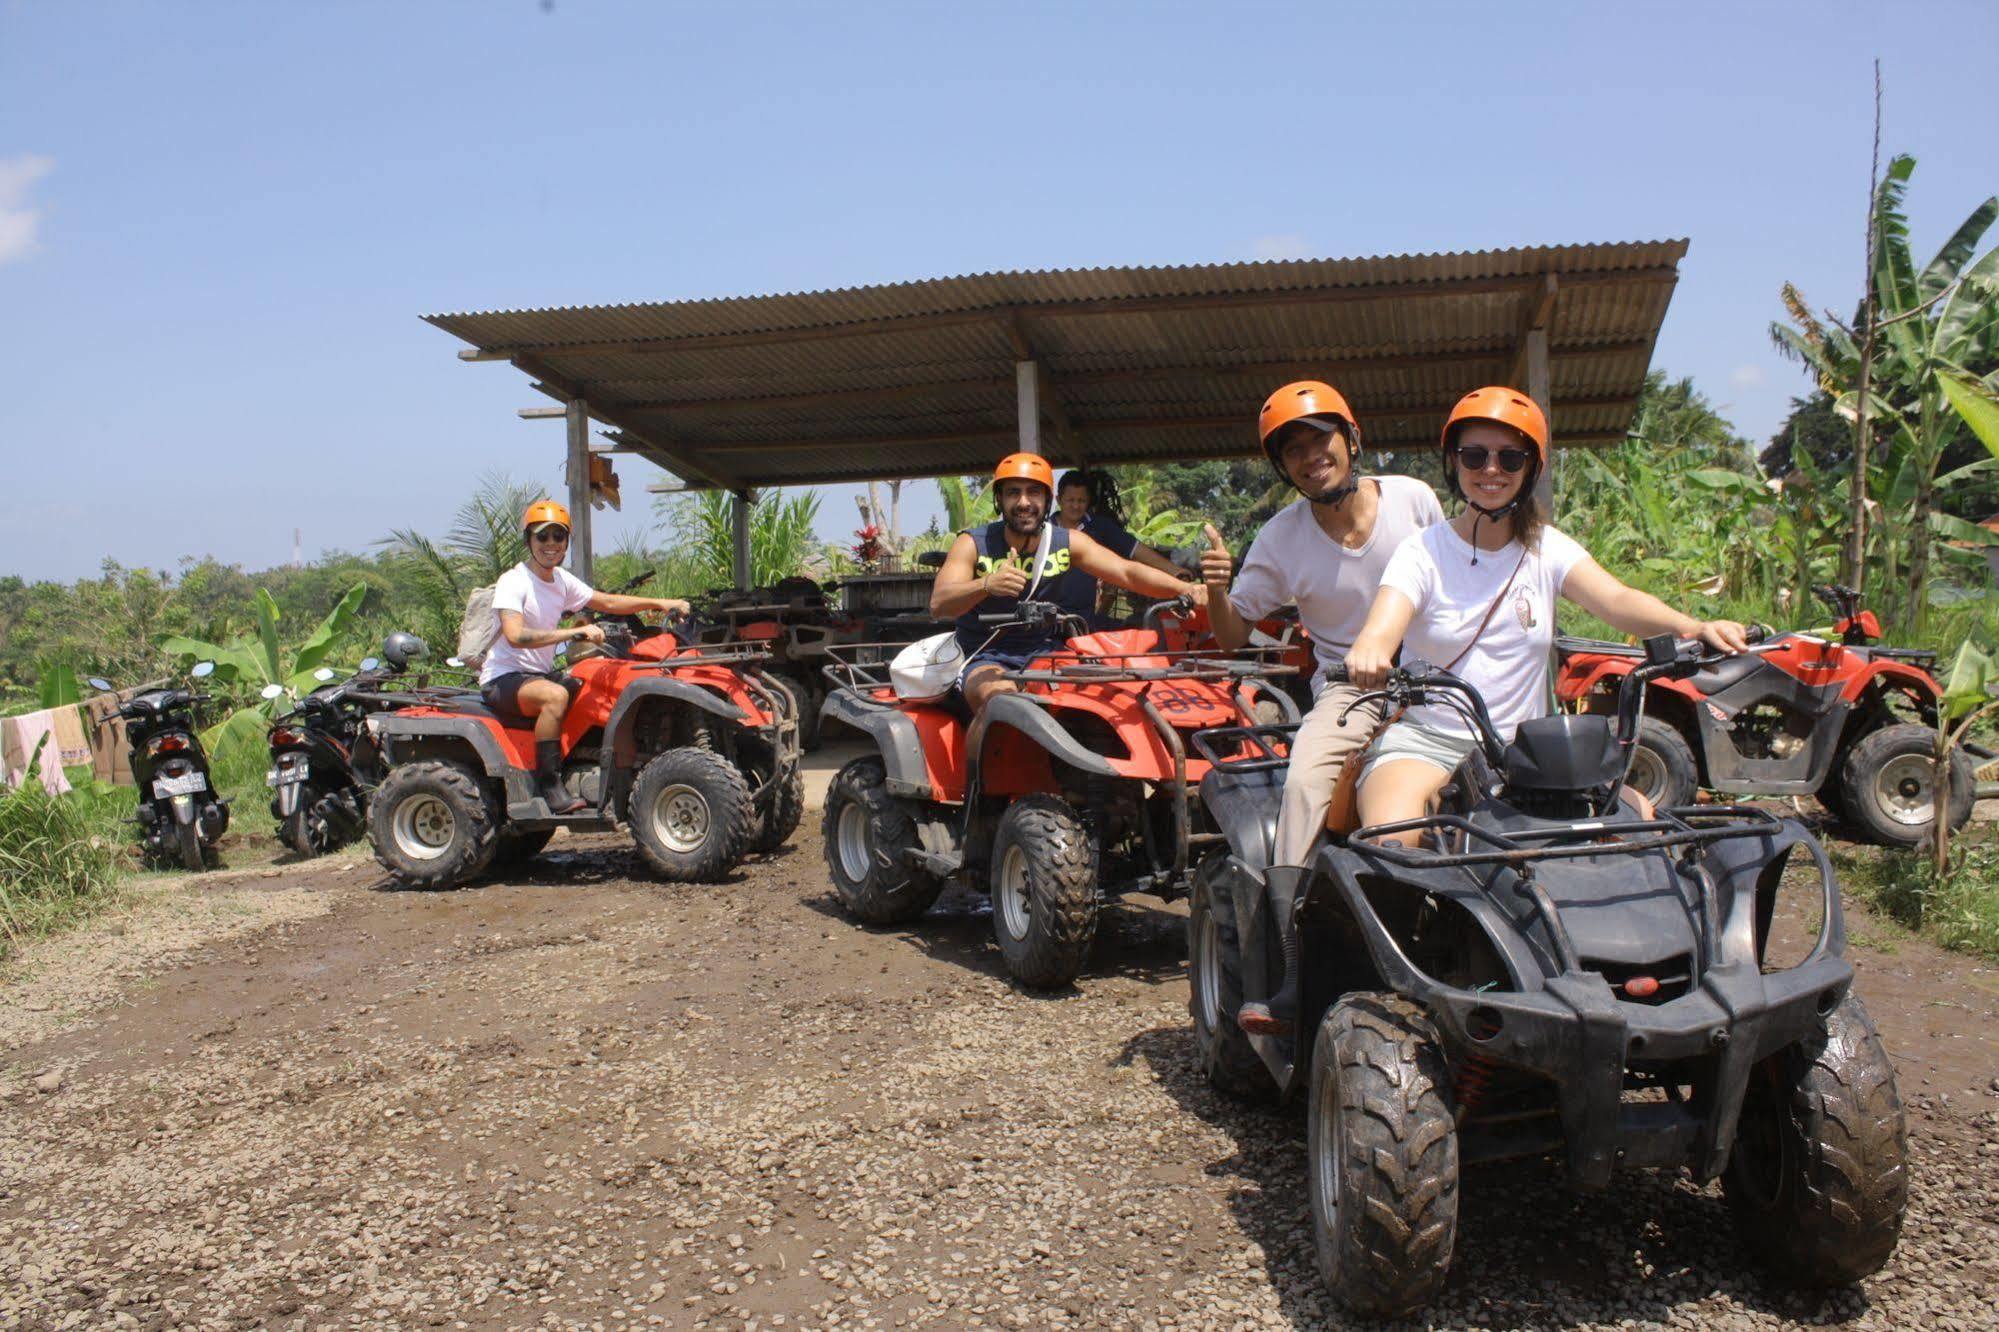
{"x": 457, "y": 663}
{"x": 99, "y": 683}
{"x": 323, "y": 674}
{"x": 931, "y": 559}
{"x": 202, "y": 670}
{"x": 370, "y": 663}
{"x": 272, "y": 691}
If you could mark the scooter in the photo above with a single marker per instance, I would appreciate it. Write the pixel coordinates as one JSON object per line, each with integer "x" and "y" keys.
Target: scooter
{"x": 324, "y": 765}
{"x": 180, "y": 816}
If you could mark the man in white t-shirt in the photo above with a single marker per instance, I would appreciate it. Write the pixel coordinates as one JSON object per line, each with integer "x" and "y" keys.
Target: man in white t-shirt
{"x": 519, "y": 678}
{"x": 1324, "y": 553}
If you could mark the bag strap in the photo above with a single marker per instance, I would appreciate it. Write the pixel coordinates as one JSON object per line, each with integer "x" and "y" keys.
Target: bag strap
{"x": 1041, "y": 556}
{"x": 1479, "y": 632}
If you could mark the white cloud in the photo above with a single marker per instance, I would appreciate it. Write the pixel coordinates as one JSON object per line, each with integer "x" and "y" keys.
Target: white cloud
{"x": 1747, "y": 376}
{"x": 18, "y": 222}
{"x": 1290, "y": 246}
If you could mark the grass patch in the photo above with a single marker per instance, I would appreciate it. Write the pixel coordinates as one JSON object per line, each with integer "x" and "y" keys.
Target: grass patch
{"x": 61, "y": 857}
{"x": 1958, "y": 909}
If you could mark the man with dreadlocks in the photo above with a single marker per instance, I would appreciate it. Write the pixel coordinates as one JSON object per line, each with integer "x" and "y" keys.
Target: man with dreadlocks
{"x": 1324, "y": 553}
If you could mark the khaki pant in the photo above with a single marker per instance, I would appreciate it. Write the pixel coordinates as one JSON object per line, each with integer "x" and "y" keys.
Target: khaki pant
{"x": 1322, "y": 748}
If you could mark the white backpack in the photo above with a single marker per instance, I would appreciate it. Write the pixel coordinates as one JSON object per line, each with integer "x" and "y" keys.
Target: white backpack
{"x": 480, "y": 628}
{"x": 925, "y": 670}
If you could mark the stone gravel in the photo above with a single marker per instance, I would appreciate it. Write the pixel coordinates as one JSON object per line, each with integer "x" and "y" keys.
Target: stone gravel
{"x": 593, "y": 1101}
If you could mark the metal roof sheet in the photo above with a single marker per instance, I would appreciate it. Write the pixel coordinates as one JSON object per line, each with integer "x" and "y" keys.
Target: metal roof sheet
{"x": 1144, "y": 364}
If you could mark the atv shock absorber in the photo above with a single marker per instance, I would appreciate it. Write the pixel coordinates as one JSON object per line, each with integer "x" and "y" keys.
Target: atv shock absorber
{"x": 1473, "y": 1079}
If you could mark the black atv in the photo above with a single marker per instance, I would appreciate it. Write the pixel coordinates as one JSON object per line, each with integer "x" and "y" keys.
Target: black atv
{"x": 1547, "y": 971}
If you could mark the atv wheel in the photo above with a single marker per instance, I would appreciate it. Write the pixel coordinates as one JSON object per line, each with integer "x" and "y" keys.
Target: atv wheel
{"x": 1662, "y": 765}
{"x": 1888, "y": 787}
{"x": 867, "y": 830}
{"x": 780, "y": 818}
{"x": 432, "y": 826}
{"x": 1044, "y": 889}
{"x": 1382, "y": 1155}
{"x": 1819, "y": 1177}
{"x": 1214, "y": 973}
{"x": 690, "y": 812}
{"x": 518, "y": 845}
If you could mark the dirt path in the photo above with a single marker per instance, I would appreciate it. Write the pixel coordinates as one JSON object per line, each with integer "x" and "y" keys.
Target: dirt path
{"x": 591, "y": 1100}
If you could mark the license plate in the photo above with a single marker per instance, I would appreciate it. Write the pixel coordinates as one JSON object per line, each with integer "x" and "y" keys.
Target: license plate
{"x": 289, "y": 775}
{"x": 187, "y": 784}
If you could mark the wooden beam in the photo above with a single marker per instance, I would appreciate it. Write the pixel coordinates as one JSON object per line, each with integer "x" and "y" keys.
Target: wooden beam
{"x": 579, "y": 490}
{"x": 1005, "y": 316}
{"x": 542, "y": 413}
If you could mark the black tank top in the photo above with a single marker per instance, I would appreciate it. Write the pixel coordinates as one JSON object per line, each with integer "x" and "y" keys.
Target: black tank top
{"x": 993, "y": 551}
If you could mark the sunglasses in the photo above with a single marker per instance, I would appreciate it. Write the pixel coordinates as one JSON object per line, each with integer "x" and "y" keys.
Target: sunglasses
{"x": 554, "y": 536}
{"x": 1476, "y": 456}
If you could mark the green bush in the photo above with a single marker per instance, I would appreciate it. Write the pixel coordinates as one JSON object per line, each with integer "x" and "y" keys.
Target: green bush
{"x": 1958, "y": 909}
{"x": 60, "y": 856}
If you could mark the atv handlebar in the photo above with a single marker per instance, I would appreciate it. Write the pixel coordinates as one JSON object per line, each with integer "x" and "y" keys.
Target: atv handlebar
{"x": 1182, "y": 606}
{"x": 1038, "y": 615}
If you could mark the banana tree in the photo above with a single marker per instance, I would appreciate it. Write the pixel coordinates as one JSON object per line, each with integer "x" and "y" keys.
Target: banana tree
{"x": 1936, "y": 325}
{"x": 1970, "y": 694}
{"x": 966, "y": 503}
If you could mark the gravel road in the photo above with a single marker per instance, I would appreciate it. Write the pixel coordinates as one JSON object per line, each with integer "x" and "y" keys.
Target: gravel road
{"x": 302, "y": 1099}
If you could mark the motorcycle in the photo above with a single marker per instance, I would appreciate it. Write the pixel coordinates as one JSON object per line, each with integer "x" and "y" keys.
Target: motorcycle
{"x": 180, "y": 815}
{"x": 324, "y": 765}
{"x": 1800, "y": 714}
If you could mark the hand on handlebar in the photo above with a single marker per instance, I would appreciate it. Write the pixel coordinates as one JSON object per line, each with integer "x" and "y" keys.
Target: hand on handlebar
{"x": 587, "y": 633}
{"x": 1724, "y": 635}
{"x": 1368, "y": 664}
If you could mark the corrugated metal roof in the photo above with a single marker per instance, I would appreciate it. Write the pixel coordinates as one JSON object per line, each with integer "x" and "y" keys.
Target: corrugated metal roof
{"x": 1145, "y": 364}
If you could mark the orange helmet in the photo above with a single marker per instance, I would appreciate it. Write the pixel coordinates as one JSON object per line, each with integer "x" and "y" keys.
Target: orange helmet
{"x": 544, "y": 511}
{"x": 1507, "y": 407}
{"x": 1025, "y": 467}
{"x": 1307, "y": 399}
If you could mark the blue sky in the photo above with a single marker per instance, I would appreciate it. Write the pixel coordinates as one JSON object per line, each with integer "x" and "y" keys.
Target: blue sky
{"x": 219, "y": 222}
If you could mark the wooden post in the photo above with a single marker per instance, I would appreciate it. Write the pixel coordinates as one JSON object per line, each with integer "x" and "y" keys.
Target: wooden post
{"x": 740, "y": 514}
{"x": 1027, "y": 394}
{"x": 579, "y": 489}
{"x": 1539, "y": 390}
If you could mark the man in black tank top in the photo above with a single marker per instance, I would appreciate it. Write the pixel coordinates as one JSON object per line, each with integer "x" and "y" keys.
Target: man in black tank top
{"x": 990, "y": 570}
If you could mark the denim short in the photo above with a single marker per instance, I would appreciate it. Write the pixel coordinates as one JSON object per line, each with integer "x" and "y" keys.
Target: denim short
{"x": 1006, "y": 661}
{"x": 1413, "y": 740}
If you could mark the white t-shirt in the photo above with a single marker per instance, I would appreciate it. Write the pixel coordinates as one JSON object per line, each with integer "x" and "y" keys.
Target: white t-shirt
{"x": 1508, "y": 665}
{"x": 541, "y": 604}
{"x": 1293, "y": 562}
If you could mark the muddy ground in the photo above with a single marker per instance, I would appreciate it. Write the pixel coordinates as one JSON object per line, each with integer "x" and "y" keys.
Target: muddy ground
{"x": 298, "y": 1097}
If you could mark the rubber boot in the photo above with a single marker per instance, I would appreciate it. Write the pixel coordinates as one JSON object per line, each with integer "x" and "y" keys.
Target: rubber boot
{"x": 548, "y": 770}
{"x": 1278, "y": 1015}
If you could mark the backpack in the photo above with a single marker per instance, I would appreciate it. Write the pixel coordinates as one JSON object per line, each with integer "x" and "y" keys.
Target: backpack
{"x": 480, "y": 628}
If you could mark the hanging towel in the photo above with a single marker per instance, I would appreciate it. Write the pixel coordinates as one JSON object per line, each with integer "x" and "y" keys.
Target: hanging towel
{"x": 70, "y": 738}
{"x": 19, "y": 739}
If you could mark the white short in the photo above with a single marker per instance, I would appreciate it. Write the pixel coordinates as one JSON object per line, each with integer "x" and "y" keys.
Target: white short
{"x": 1413, "y": 740}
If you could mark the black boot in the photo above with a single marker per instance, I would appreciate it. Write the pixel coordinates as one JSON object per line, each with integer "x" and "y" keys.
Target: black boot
{"x": 548, "y": 770}
{"x": 1278, "y": 1015}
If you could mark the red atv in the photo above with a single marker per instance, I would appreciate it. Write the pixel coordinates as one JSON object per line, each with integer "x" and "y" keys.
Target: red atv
{"x": 1798, "y": 715}
{"x": 1079, "y": 785}
{"x": 695, "y": 749}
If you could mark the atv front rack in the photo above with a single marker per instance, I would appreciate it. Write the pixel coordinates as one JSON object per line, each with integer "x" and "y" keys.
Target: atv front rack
{"x": 1687, "y": 826}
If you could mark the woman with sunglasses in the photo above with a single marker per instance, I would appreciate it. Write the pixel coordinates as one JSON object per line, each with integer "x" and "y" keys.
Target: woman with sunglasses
{"x": 1477, "y": 595}
{"x": 519, "y": 679}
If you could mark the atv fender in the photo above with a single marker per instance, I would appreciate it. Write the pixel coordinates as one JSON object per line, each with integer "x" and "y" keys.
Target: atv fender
{"x": 393, "y": 731}
{"x": 1032, "y": 720}
{"x": 894, "y": 735}
{"x": 1245, "y": 805}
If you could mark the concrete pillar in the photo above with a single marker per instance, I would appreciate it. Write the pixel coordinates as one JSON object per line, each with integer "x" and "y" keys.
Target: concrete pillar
{"x": 1539, "y": 389}
{"x": 1027, "y": 394}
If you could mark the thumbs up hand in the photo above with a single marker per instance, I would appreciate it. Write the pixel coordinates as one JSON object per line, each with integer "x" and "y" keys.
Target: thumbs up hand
{"x": 1216, "y": 564}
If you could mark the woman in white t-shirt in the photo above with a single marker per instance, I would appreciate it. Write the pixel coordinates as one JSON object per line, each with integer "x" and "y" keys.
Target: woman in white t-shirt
{"x": 1476, "y": 595}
